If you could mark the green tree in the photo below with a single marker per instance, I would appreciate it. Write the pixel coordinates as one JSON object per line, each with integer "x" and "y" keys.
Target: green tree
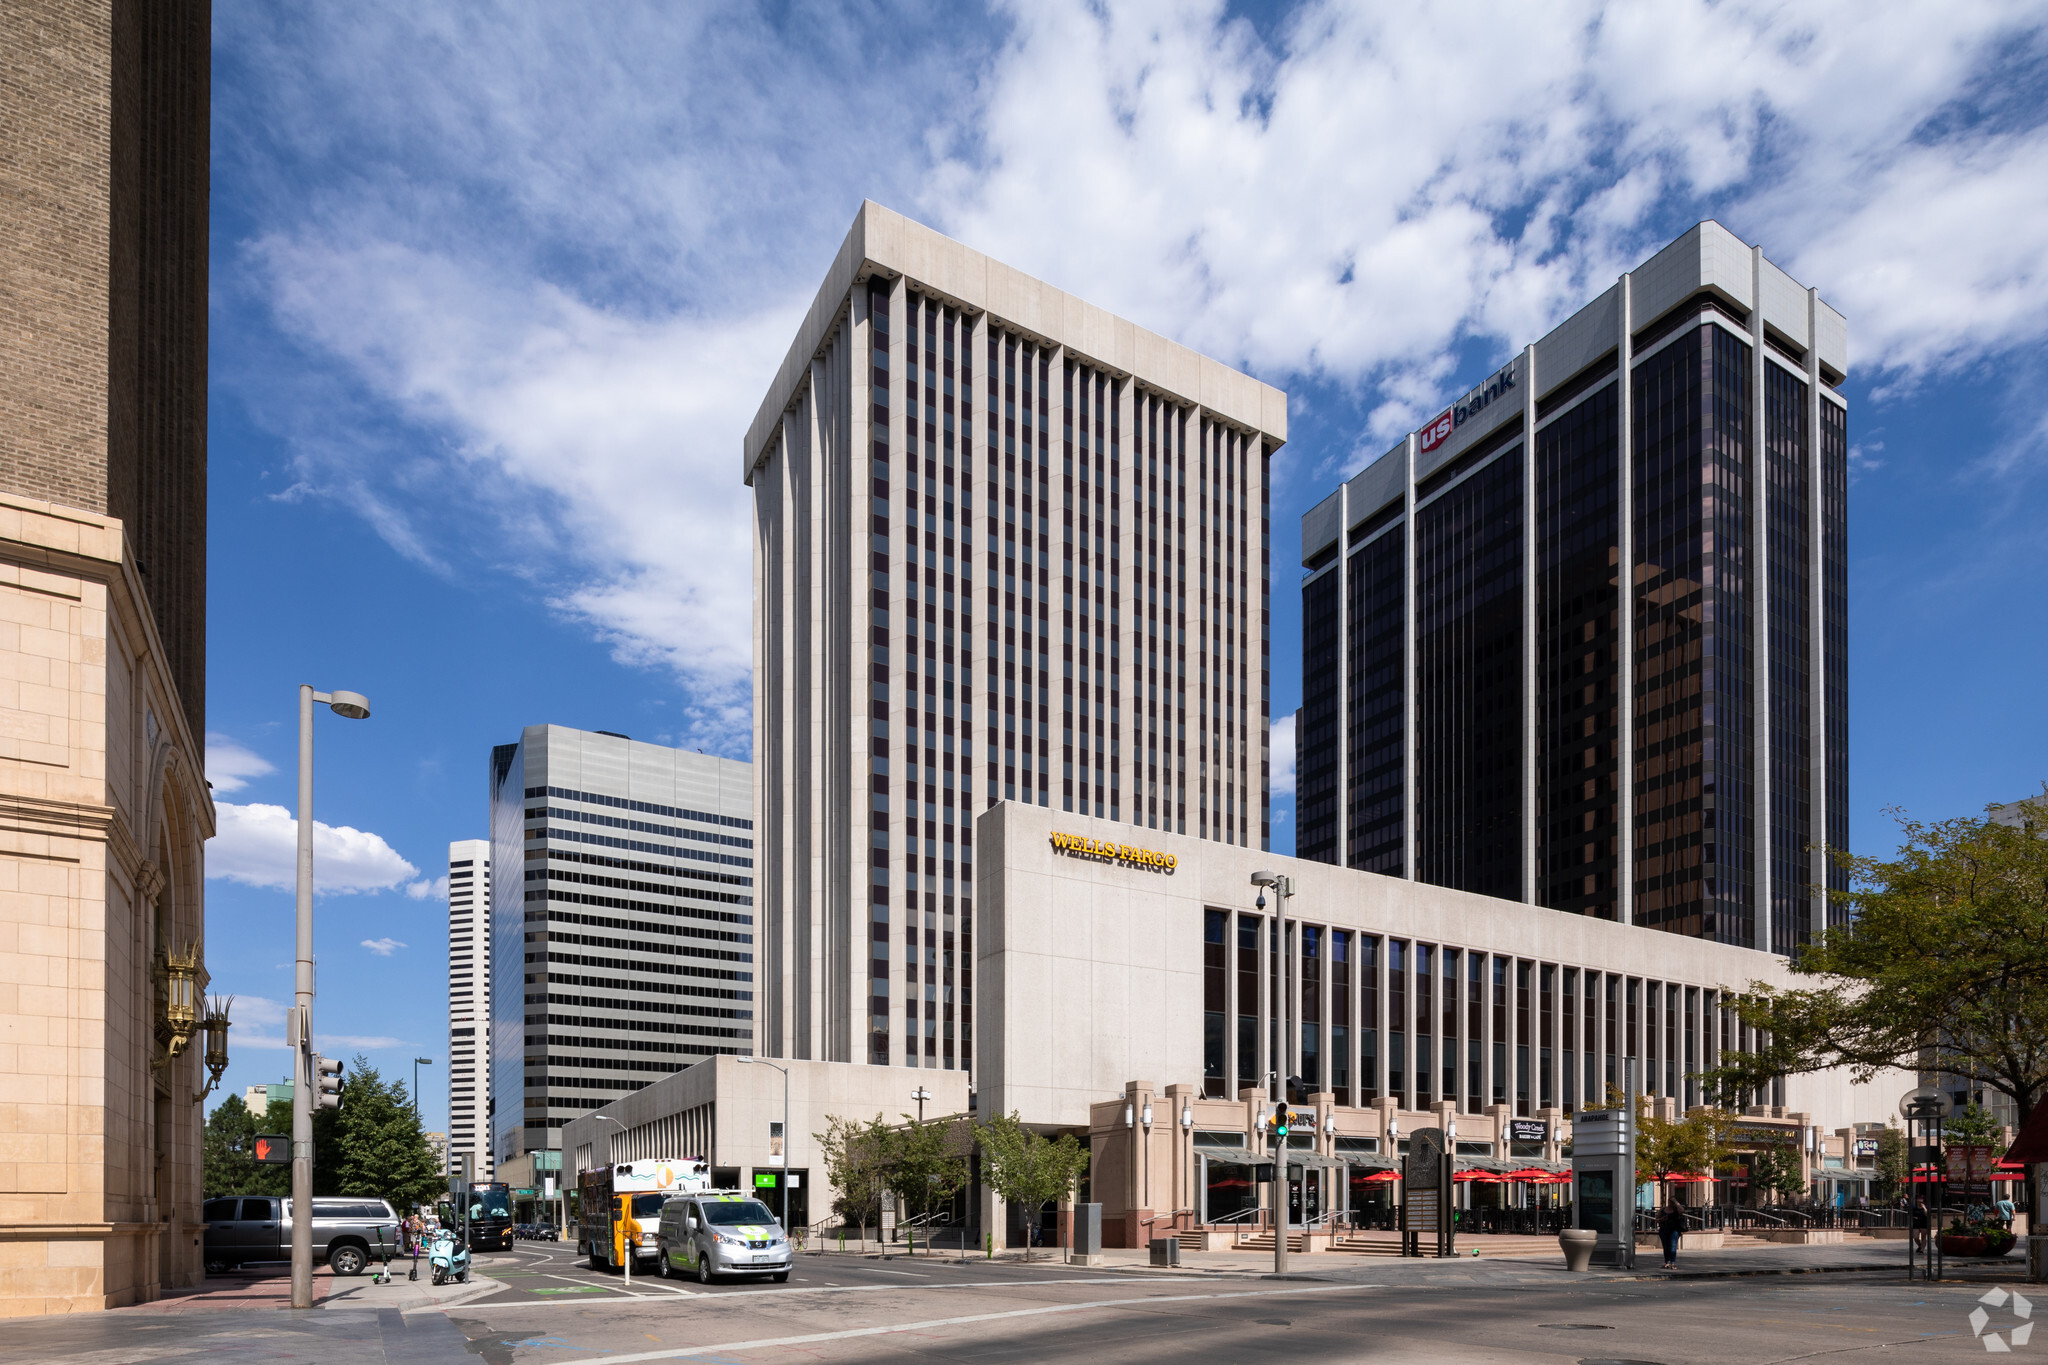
{"x": 928, "y": 1166}
{"x": 1942, "y": 965}
{"x": 375, "y": 1145}
{"x": 228, "y": 1149}
{"x": 1025, "y": 1168}
{"x": 1891, "y": 1163}
{"x": 858, "y": 1159}
{"x": 1774, "y": 1172}
{"x": 1973, "y": 1126}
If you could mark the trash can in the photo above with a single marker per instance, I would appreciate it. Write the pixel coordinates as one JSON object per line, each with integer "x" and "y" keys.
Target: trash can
{"x": 1166, "y": 1251}
{"x": 2037, "y": 1258}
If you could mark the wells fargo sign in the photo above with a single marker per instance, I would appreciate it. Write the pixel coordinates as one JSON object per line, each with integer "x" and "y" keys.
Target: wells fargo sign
{"x": 1075, "y": 846}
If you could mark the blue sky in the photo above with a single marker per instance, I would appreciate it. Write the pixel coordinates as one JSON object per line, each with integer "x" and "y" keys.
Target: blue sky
{"x": 495, "y": 290}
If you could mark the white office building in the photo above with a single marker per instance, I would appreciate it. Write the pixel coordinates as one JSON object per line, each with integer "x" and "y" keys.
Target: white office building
{"x": 623, "y": 926}
{"x": 469, "y": 1003}
{"x": 1008, "y": 547}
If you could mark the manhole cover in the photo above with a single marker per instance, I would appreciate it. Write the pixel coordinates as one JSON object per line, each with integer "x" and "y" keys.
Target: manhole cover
{"x": 1603, "y": 1360}
{"x": 1576, "y": 1326}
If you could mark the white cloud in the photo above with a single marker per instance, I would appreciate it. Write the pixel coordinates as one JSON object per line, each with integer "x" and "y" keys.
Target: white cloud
{"x": 1283, "y": 756}
{"x": 259, "y": 1023}
{"x": 257, "y": 844}
{"x": 422, "y": 890}
{"x": 230, "y": 765}
{"x": 567, "y": 252}
{"x": 382, "y": 947}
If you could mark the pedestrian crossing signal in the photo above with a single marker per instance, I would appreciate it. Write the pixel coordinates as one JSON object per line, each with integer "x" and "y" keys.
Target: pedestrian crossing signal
{"x": 272, "y": 1150}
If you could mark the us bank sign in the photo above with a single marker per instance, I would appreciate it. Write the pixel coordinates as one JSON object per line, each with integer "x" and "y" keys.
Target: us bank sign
{"x": 1075, "y": 846}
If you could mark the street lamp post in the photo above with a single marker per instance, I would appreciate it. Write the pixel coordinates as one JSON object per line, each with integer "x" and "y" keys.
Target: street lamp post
{"x": 782, "y": 1181}
{"x": 920, "y": 1095}
{"x": 417, "y": 1063}
{"x": 350, "y": 706}
{"x": 1283, "y": 1062}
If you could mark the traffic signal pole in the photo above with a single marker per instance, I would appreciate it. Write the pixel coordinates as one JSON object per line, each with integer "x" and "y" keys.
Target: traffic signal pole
{"x": 1280, "y": 1188}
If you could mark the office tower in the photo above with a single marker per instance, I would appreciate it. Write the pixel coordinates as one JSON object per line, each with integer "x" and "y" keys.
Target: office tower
{"x": 1474, "y": 657}
{"x": 1008, "y": 547}
{"x": 103, "y": 280}
{"x": 469, "y": 1002}
{"x": 622, "y": 940}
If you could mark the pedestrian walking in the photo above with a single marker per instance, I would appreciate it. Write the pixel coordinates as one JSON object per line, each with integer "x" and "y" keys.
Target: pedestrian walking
{"x": 1919, "y": 1224}
{"x": 1671, "y": 1227}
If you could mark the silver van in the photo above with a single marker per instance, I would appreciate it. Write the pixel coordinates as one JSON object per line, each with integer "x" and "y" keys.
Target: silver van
{"x": 721, "y": 1232}
{"x": 348, "y": 1231}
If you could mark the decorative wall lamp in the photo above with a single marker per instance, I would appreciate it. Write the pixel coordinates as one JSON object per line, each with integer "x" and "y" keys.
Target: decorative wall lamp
{"x": 182, "y": 978}
{"x": 215, "y": 1026}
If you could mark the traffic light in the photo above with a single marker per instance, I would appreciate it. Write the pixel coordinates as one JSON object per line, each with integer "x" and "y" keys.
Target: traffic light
{"x": 1280, "y": 1120}
{"x": 327, "y": 1077}
{"x": 273, "y": 1150}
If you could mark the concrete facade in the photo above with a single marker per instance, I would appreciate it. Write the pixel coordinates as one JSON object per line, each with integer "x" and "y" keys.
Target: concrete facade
{"x": 1008, "y": 547}
{"x": 469, "y": 1004}
{"x": 1093, "y": 978}
{"x": 101, "y": 875}
{"x": 722, "y": 1110}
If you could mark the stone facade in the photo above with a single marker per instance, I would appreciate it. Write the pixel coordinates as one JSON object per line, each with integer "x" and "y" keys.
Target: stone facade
{"x": 105, "y": 815}
{"x": 103, "y": 282}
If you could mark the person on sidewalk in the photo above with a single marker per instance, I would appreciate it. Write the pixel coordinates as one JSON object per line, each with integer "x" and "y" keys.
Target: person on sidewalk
{"x": 1671, "y": 1227}
{"x": 1920, "y": 1223}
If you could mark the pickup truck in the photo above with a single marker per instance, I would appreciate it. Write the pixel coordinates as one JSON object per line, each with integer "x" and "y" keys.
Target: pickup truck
{"x": 348, "y": 1231}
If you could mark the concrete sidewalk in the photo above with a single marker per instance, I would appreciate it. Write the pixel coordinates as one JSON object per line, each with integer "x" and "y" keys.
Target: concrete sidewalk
{"x": 1856, "y": 1255}
{"x": 247, "y": 1290}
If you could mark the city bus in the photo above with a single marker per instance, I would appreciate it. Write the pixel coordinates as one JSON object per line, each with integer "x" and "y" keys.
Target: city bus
{"x": 490, "y": 1216}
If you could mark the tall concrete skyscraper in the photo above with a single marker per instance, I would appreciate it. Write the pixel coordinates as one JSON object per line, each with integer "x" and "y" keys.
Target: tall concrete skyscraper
{"x": 1008, "y": 547}
{"x": 103, "y": 280}
{"x": 469, "y": 1002}
{"x": 1581, "y": 641}
{"x": 622, "y": 923}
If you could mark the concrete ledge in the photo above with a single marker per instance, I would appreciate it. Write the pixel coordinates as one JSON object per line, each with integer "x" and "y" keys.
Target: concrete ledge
{"x": 1804, "y": 1236}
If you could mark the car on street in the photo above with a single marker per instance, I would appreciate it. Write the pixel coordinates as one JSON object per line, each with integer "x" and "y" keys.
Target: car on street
{"x": 348, "y": 1231}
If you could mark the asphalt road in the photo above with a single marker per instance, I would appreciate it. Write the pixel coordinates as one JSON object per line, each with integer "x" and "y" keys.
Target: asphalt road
{"x": 855, "y": 1310}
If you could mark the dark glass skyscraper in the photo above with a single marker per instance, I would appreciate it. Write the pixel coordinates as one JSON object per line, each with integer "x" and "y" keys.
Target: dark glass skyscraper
{"x": 1491, "y": 703}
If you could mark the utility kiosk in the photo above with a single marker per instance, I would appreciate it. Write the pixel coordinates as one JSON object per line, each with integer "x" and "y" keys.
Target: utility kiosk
{"x": 1604, "y": 1182}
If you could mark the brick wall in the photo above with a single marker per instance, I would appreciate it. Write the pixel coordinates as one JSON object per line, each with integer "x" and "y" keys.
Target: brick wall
{"x": 103, "y": 277}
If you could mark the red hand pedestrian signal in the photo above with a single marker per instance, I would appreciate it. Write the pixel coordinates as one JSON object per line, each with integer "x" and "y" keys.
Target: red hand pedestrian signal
{"x": 273, "y": 1150}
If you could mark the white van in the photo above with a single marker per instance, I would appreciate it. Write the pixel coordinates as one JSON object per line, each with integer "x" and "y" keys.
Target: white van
{"x": 721, "y": 1232}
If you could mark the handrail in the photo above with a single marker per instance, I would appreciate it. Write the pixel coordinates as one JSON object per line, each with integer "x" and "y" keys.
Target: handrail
{"x": 1254, "y": 1211}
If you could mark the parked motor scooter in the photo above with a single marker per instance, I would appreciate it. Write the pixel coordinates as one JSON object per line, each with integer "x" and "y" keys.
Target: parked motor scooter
{"x": 448, "y": 1258}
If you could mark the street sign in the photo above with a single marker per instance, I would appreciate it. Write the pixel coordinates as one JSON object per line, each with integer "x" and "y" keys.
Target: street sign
{"x": 273, "y": 1150}
{"x": 764, "y": 1180}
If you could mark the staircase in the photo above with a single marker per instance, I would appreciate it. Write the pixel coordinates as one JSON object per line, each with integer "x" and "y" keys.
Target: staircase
{"x": 1263, "y": 1241}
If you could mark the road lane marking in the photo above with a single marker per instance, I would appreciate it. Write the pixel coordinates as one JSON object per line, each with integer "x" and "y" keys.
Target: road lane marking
{"x": 863, "y": 1289}
{"x": 851, "y": 1333}
{"x": 914, "y": 1274}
